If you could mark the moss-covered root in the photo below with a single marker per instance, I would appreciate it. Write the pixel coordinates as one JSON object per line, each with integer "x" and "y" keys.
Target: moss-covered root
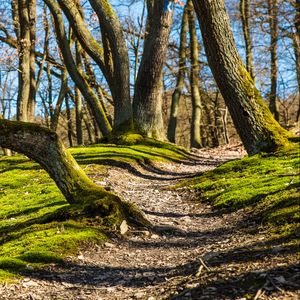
{"x": 113, "y": 210}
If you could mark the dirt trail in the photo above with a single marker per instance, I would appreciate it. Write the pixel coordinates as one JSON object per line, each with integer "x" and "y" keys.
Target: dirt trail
{"x": 193, "y": 252}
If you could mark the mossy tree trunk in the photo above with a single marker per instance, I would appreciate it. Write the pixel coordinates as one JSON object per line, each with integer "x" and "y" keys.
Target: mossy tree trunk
{"x": 194, "y": 80}
{"x": 43, "y": 146}
{"x": 180, "y": 78}
{"x": 253, "y": 120}
{"x": 147, "y": 100}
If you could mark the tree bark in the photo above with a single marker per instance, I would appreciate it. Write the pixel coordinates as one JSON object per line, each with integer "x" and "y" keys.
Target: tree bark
{"x": 23, "y": 29}
{"x": 245, "y": 17}
{"x": 254, "y": 122}
{"x": 273, "y": 21}
{"x": 296, "y": 40}
{"x": 116, "y": 70}
{"x": 78, "y": 77}
{"x": 194, "y": 81}
{"x": 180, "y": 78}
{"x": 147, "y": 100}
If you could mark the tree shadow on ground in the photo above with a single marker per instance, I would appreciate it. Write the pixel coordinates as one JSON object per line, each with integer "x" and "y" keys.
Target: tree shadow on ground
{"x": 134, "y": 171}
{"x": 273, "y": 282}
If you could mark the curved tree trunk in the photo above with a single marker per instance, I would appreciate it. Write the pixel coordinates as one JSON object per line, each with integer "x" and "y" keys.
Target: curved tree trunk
{"x": 78, "y": 77}
{"x": 254, "y": 122}
{"x": 112, "y": 59}
{"x": 180, "y": 78}
{"x": 43, "y": 146}
{"x": 147, "y": 101}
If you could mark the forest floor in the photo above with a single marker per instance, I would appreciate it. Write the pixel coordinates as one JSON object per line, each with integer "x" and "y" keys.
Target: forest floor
{"x": 193, "y": 252}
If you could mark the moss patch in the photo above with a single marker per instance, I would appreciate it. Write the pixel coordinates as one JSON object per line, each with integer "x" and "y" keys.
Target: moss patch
{"x": 266, "y": 184}
{"x": 30, "y": 235}
{"x": 136, "y": 150}
{"x": 38, "y": 226}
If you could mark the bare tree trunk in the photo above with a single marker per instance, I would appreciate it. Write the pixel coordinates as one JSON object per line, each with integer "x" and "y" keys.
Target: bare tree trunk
{"x": 78, "y": 77}
{"x": 78, "y": 100}
{"x": 147, "y": 101}
{"x": 61, "y": 96}
{"x": 180, "y": 78}
{"x": 24, "y": 45}
{"x": 245, "y": 16}
{"x": 273, "y": 21}
{"x": 32, "y": 29}
{"x": 255, "y": 124}
{"x": 69, "y": 121}
{"x": 296, "y": 39}
{"x": 194, "y": 75}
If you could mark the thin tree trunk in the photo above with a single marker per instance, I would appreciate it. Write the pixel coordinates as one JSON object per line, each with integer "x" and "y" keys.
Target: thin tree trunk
{"x": 296, "y": 39}
{"x": 32, "y": 93}
{"x": 194, "y": 81}
{"x": 61, "y": 96}
{"x": 78, "y": 100}
{"x": 254, "y": 123}
{"x": 24, "y": 61}
{"x": 245, "y": 17}
{"x": 273, "y": 21}
{"x": 180, "y": 78}
{"x": 69, "y": 121}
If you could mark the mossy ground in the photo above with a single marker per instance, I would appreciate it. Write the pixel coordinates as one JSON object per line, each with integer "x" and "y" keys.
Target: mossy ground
{"x": 34, "y": 230}
{"x": 268, "y": 185}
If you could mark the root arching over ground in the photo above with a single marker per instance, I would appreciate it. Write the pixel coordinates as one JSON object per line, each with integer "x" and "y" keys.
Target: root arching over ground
{"x": 193, "y": 251}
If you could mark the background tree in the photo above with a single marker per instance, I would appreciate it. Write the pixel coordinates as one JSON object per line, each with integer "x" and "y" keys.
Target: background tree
{"x": 256, "y": 126}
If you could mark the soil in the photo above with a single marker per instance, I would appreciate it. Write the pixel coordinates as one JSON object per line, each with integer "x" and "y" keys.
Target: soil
{"x": 193, "y": 252}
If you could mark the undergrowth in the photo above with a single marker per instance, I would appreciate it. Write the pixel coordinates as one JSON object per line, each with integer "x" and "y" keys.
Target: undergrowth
{"x": 32, "y": 232}
{"x": 268, "y": 185}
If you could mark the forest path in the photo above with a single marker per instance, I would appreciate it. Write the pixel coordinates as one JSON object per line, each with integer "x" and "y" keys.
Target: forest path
{"x": 193, "y": 252}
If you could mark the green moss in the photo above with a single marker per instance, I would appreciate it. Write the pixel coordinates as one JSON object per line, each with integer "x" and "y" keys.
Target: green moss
{"x": 277, "y": 138}
{"x": 31, "y": 235}
{"x": 38, "y": 226}
{"x": 266, "y": 184}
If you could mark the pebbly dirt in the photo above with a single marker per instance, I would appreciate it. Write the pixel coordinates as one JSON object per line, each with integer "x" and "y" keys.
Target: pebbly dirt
{"x": 193, "y": 252}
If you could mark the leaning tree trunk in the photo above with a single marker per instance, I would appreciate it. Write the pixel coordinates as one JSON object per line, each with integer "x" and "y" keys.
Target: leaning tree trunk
{"x": 147, "y": 101}
{"x": 78, "y": 77}
{"x": 43, "y": 146}
{"x": 180, "y": 78}
{"x": 254, "y": 122}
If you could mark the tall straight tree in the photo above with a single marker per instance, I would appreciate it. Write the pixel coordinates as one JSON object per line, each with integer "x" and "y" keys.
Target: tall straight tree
{"x": 245, "y": 17}
{"x": 194, "y": 80}
{"x": 24, "y": 17}
{"x": 296, "y": 40}
{"x": 253, "y": 120}
{"x": 180, "y": 78}
{"x": 273, "y": 21}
